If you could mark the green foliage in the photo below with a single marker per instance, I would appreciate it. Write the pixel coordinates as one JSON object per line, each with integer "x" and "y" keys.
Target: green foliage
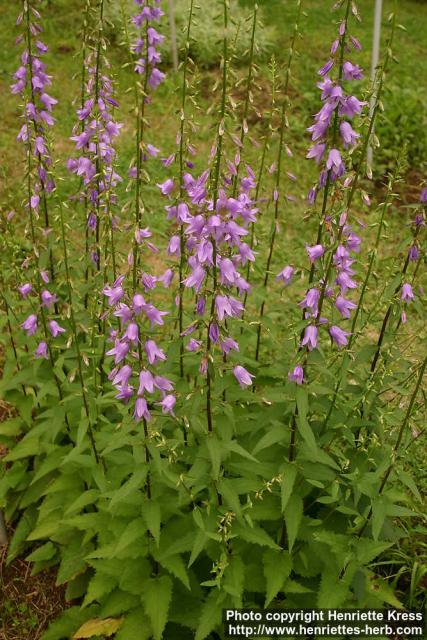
{"x": 170, "y": 526}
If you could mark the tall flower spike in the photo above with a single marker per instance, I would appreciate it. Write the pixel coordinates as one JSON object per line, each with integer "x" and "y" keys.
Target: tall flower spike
{"x": 145, "y": 58}
{"x": 277, "y": 195}
{"x": 333, "y": 122}
{"x": 94, "y": 137}
{"x": 32, "y": 83}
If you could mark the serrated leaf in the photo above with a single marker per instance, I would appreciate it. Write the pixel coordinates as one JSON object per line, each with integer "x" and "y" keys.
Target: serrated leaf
{"x": 367, "y": 550}
{"x": 230, "y": 496}
{"x": 28, "y": 446}
{"x": 199, "y": 543}
{"x": 100, "y": 585}
{"x": 136, "y": 625}
{"x": 157, "y": 596}
{"x": 45, "y": 552}
{"x": 175, "y": 565}
{"x": 237, "y": 448}
{"x": 234, "y": 579}
{"x": 214, "y": 448}
{"x": 210, "y": 618}
{"x": 63, "y": 627}
{"x": 379, "y": 508}
{"x": 288, "y": 480}
{"x": 333, "y": 592}
{"x": 98, "y": 627}
{"x": 134, "y": 530}
{"x": 274, "y": 435}
{"x": 255, "y": 535}
{"x": 152, "y": 516}
{"x": 277, "y": 568}
{"x": 383, "y": 592}
{"x": 293, "y": 516}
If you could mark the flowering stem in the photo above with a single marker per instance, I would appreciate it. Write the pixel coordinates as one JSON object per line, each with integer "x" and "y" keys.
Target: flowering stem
{"x": 27, "y": 8}
{"x": 98, "y": 151}
{"x": 140, "y": 122}
{"x": 259, "y": 180}
{"x": 37, "y": 285}
{"x": 387, "y": 317}
{"x": 76, "y": 339}
{"x": 398, "y": 442}
{"x": 181, "y": 191}
{"x": 215, "y": 187}
{"x": 357, "y": 174}
{"x": 283, "y": 124}
{"x": 371, "y": 264}
{"x": 334, "y": 138}
{"x": 82, "y": 102}
{"x": 243, "y": 129}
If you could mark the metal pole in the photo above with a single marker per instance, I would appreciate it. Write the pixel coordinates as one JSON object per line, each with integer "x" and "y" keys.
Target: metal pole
{"x": 374, "y": 62}
{"x": 174, "y": 48}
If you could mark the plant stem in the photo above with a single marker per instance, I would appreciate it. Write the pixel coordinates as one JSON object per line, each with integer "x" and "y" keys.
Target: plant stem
{"x": 283, "y": 124}
{"x": 181, "y": 191}
{"x": 398, "y": 442}
{"x": 76, "y": 340}
{"x": 215, "y": 187}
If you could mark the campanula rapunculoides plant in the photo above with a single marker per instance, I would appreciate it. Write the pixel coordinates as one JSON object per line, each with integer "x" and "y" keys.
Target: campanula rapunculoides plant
{"x": 187, "y": 435}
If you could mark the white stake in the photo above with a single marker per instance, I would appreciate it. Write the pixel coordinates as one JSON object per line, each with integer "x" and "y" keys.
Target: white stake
{"x": 374, "y": 62}
{"x": 174, "y": 48}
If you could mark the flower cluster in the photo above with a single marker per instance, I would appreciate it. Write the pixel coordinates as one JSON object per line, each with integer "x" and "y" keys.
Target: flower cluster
{"x": 31, "y": 82}
{"x": 414, "y": 254}
{"x": 337, "y": 110}
{"x": 131, "y": 347}
{"x": 214, "y": 232}
{"x": 94, "y": 137}
{"x": 47, "y": 301}
{"x": 146, "y": 45}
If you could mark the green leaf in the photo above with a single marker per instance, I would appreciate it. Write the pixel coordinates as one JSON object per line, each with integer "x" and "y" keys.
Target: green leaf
{"x": 63, "y": 627}
{"x": 98, "y": 627}
{"x": 157, "y": 596}
{"x": 255, "y": 535}
{"x": 277, "y": 568}
{"x": 134, "y": 530}
{"x": 136, "y": 626}
{"x": 28, "y": 446}
{"x": 379, "y": 588}
{"x": 152, "y": 516}
{"x": 293, "y": 516}
{"x": 214, "y": 448}
{"x": 175, "y": 565}
{"x": 136, "y": 481}
{"x": 11, "y": 427}
{"x": 86, "y": 498}
{"x": 230, "y": 496}
{"x": 333, "y": 592}
{"x": 234, "y": 579}
{"x": 289, "y": 474}
{"x": 367, "y": 550}
{"x": 100, "y": 585}
{"x": 200, "y": 541}
{"x": 379, "y": 508}
{"x": 237, "y": 448}
{"x": 210, "y": 618}
{"x": 45, "y": 552}
{"x": 274, "y": 435}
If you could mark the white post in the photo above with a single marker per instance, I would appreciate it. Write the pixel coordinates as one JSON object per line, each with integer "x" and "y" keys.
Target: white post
{"x": 374, "y": 62}
{"x": 174, "y": 48}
